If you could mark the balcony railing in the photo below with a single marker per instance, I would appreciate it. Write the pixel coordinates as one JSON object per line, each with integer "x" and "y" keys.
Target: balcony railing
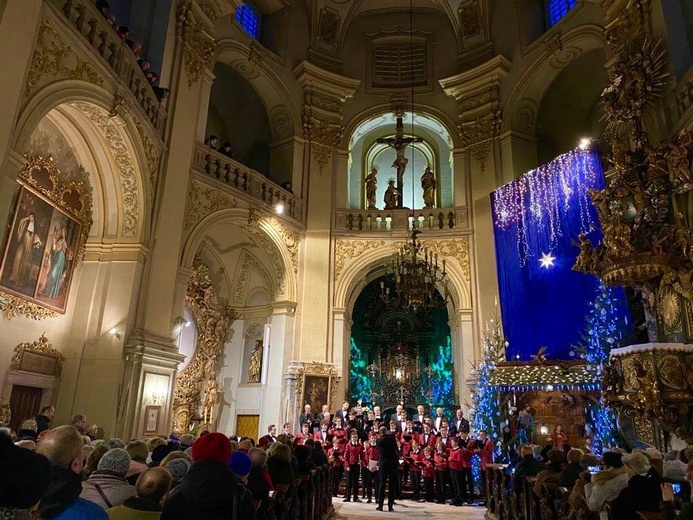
{"x": 247, "y": 181}
{"x": 386, "y": 221}
{"x": 88, "y": 21}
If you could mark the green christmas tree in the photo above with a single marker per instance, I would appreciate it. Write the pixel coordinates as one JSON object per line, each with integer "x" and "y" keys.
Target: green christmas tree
{"x": 486, "y": 411}
{"x": 606, "y": 328}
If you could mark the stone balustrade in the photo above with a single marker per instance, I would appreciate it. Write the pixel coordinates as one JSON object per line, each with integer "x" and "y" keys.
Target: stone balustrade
{"x": 247, "y": 181}
{"x": 386, "y": 221}
{"x": 102, "y": 38}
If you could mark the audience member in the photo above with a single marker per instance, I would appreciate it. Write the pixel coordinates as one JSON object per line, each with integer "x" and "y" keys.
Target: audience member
{"x": 178, "y": 468}
{"x": 210, "y": 489}
{"x": 572, "y": 471}
{"x": 79, "y": 421}
{"x": 279, "y": 464}
{"x": 605, "y": 485}
{"x": 226, "y": 149}
{"x": 44, "y": 418}
{"x": 554, "y": 469}
{"x": 28, "y": 431}
{"x": 643, "y": 492}
{"x": 151, "y": 492}
{"x": 212, "y": 141}
{"x": 62, "y": 446}
{"x": 107, "y": 486}
{"x": 93, "y": 459}
{"x": 138, "y": 460}
{"x": 24, "y": 478}
{"x": 527, "y": 467}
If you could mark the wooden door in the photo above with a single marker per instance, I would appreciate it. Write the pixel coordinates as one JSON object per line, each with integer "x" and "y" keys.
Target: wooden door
{"x": 248, "y": 426}
{"x": 24, "y": 403}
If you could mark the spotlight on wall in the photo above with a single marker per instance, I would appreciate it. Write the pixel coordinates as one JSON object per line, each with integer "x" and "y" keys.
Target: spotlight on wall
{"x": 114, "y": 333}
{"x": 279, "y": 208}
{"x": 585, "y": 143}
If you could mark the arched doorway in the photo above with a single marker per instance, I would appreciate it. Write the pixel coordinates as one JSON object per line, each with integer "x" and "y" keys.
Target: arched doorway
{"x": 397, "y": 356}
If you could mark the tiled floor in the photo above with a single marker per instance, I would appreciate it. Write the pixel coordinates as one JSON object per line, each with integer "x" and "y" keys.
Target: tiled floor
{"x": 407, "y": 509}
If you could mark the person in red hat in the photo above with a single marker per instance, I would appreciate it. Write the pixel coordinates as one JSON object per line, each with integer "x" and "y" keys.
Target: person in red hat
{"x": 210, "y": 489}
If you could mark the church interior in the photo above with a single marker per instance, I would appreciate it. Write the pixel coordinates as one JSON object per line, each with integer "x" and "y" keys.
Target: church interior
{"x": 274, "y": 222}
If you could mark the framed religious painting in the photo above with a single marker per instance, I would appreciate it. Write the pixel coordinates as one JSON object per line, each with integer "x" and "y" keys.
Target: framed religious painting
{"x": 43, "y": 241}
{"x": 316, "y": 391}
{"x": 152, "y": 415}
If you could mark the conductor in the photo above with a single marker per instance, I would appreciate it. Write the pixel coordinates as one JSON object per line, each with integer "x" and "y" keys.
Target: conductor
{"x": 387, "y": 463}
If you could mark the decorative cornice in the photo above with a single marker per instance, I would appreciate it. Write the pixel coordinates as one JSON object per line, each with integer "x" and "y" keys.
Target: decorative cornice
{"x": 478, "y": 134}
{"x": 52, "y": 57}
{"x": 42, "y": 346}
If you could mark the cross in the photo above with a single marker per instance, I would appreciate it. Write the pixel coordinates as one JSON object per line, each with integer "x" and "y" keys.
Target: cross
{"x": 399, "y": 143}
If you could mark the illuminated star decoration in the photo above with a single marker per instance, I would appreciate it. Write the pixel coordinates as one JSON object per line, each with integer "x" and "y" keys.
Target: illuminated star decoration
{"x": 547, "y": 260}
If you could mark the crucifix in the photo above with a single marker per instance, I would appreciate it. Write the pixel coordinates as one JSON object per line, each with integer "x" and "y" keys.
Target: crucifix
{"x": 399, "y": 143}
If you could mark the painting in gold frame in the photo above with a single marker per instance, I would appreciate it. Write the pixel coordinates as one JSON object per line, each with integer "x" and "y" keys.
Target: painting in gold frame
{"x": 44, "y": 236}
{"x": 316, "y": 391}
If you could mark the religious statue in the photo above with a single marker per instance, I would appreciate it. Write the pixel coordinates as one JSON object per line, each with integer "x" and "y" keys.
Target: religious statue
{"x": 399, "y": 143}
{"x": 371, "y": 187}
{"x": 211, "y": 397}
{"x": 255, "y": 363}
{"x": 391, "y": 198}
{"x": 428, "y": 184}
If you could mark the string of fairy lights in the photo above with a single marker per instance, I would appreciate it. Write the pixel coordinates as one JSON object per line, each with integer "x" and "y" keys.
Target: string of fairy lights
{"x": 544, "y": 194}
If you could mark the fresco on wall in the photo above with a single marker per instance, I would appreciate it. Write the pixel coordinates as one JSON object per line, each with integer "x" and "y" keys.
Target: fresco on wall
{"x": 47, "y": 139}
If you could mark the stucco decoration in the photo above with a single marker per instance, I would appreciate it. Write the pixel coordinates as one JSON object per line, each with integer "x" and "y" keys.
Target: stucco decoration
{"x": 124, "y": 161}
{"x": 348, "y": 249}
{"x": 204, "y": 200}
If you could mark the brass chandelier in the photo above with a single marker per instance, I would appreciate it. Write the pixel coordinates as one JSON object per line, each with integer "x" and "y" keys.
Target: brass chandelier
{"x": 416, "y": 274}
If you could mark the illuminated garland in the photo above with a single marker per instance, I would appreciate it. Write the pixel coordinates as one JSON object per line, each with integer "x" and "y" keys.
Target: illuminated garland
{"x": 543, "y": 194}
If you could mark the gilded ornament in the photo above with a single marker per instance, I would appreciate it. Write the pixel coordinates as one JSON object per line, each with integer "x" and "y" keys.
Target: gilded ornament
{"x": 11, "y": 307}
{"x": 52, "y": 57}
{"x": 455, "y": 248}
{"x": 316, "y": 368}
{"x": 41, "y": 346}
{"x": 123, "y": 160}
{"x": 200, "y": 376}
{"x": 671, "y": 373}
{"x": 203, "y": 201}
{"x": 669, "y": 308}
{"x": 199, "y": 42}
{"x": 344, "y": 249}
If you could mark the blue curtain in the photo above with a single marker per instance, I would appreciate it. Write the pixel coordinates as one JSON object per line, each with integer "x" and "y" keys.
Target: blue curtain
{"x": 543, "y": 213}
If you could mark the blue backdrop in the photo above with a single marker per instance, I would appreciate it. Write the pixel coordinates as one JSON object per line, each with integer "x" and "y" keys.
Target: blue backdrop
{"x": 541, "y": 214}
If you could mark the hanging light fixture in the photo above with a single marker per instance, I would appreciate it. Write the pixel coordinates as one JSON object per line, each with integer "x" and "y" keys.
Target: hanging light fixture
{"x": 415, "y": 269}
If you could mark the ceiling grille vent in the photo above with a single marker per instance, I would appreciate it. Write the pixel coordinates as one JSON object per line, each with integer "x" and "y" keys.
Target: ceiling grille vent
{"x": 396, "y": 63}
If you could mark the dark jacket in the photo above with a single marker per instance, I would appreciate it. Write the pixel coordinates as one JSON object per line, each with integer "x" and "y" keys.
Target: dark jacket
{"x": 62, "y": 501}
{"x": 210, "y": 490}
{"x": 570, "y": 474}
{"x": 387, "y": 448}
{"x": 42, "y": 423}
{"x": 644, "y": 493}
{"x": 27, "y": 435}
{"x": 135, "y": 508}
{"x": 686, "y": 512}
{"x": 257, "y": 483}
{"x": 527, "y": 467}
{"x": 280, "y": 471}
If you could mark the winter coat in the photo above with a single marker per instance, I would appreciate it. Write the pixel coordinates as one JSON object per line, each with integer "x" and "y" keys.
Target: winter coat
{"x": 114, "y": 487}
{"x": 210, "y": 490}
{"x": 136, "y": 469}
{"x": 605, "y": 487}
{"x": 280, "y": 471}
{"x": 643, "y": 493}
{"x": 62, "y": 501}
{"x": 686, "y": 512}
{"x": 42, "y": 423}
{"x": 570, "y": 474}
{"x": 135, "y": 508}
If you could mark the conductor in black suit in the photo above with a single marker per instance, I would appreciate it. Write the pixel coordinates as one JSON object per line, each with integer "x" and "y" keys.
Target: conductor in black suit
{"x": 387, "y": 464}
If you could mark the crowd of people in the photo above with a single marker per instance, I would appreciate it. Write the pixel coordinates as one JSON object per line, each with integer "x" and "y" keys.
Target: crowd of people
{"x": 618, "y": 484}
{"x": 123, "y": 33}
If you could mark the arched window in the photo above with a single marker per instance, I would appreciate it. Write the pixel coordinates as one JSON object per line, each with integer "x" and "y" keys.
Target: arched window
{"x": 250, "y": 19}
{"x": 557, "y": 9}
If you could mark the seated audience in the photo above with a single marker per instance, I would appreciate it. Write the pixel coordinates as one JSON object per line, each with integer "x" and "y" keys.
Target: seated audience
{"x": 93, "y": 459}
{"x": 62, "y": 446}
{"x": 304, "y": 460}
{"x": 44, "y": 418}
{"x": 24, "y": 478}
{"x": 178, "y": 467}
{"x": 210, "y": 489}
{"x": 572, "y": 471}
{"x": 138, "y": 460}
{"x": 643, "y": 492}
{"x": 28, "y": 431}
{"x": 151, "y": 492}
{"x": 527, "y": 467}
{"x": 552, "y": 474}
{"x": 107, "y": 486}
{"x": 279, "y": 464}
{"x": 79, "y": 421}
{"x": 606, "y": 484}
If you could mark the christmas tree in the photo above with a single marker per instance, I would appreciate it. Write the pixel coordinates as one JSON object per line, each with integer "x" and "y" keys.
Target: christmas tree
{"x": 485, "y": 411}
{"x": 359, "y": 382}
{"x": 606, "y": 327}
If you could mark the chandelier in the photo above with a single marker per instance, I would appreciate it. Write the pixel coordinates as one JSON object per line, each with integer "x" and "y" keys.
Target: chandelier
{"x": 416, "y": 274}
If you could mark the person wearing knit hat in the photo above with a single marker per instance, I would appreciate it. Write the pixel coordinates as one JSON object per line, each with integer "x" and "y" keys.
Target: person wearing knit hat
{"x": 675, "y": 470}
{"x": 210, "y": 489}
{"x": 241, "y": 464}
{"x": 159, "y": 454}
{"x": 107, "y": 485}
{"x": 24, "y": 478}
{"x": 177, "y": 468}
{"x": 643, "y": 492}
{"x": 214, "y": 446}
